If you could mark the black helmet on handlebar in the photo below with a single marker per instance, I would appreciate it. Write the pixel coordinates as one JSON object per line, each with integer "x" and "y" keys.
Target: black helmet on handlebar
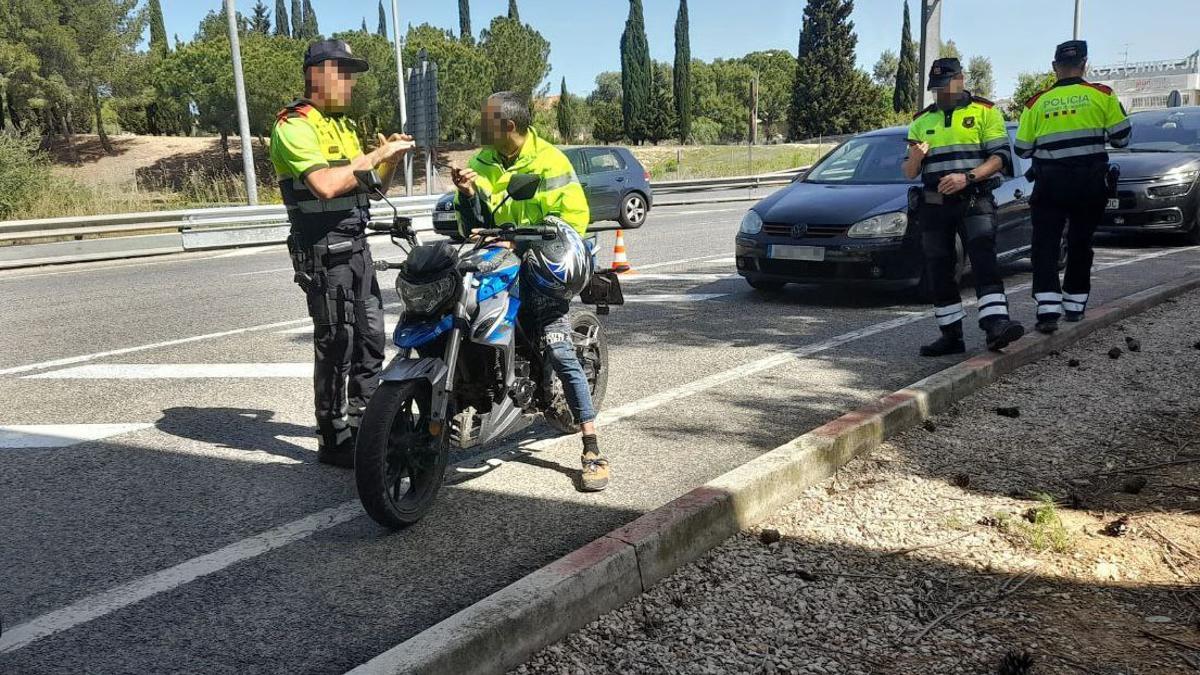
{"x": 560, "y": 267}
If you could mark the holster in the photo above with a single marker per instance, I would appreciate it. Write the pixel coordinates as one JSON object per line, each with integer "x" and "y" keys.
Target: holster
{"x": 1111, "y": 177}
{"x": 303, "y": 265}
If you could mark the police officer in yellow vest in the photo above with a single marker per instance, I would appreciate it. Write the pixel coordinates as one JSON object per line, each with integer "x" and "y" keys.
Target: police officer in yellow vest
{"x": 1064, "y": 130}
{"x": 959, "y": 147}
{"x": 315, "y": 151}
{"x": 512, "y": 146}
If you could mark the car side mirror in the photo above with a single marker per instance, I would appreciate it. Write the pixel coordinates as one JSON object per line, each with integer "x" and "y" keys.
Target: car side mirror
{"x": 523, "y": 186}
{"x": 369, "y": 180}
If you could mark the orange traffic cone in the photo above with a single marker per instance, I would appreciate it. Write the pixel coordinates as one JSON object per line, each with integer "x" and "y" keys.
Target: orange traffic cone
{"x": 620, "y": 263}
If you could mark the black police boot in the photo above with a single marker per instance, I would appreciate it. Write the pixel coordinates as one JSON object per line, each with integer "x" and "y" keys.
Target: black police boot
{"x": 1074, "y": 317}
{"x": 1047, "y": 324}
{"x": 335, "y": 447}
{"x": 1001, "y": 332}
{"x": 951, "y": 342}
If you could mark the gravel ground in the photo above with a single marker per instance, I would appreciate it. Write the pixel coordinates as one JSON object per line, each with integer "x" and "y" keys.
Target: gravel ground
{"x": 1050, "y": 519}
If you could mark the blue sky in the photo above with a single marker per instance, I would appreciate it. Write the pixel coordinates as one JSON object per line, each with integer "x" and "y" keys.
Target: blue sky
{"x": 1018, "y": 35}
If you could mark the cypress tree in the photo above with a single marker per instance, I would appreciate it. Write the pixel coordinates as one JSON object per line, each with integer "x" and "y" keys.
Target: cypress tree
{"x": 683, "y": 74}
{"x": 311, "y": 32}
{"x": 261, "y": 21}
{"x": 464, "y": 21}
{"x": 512, "y": 11}
{"x": 830, "y": 94}
{"x": 158, "y": 29}
{"x": 566, "y": 114}
{"x": 282, "y": 29}
{"x": 297, "y": 20}
{"x": 908, "y": 81}
{"x": 636, "y": 75}
{"x": 382, "y": 29}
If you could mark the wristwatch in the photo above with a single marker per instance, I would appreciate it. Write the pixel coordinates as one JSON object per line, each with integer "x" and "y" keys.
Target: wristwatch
{"x": 971, "y": 177}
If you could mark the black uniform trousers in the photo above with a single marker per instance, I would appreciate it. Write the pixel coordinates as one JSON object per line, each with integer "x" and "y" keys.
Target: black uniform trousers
{"x": 346, "y": 307}
{"x": 1073, "y": 197}
{"x": 973, "y": 220}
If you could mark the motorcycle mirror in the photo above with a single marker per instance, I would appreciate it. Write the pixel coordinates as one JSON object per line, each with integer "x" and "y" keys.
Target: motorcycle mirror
{"x": 523, "y": 186}
{"x": 368, "y": 179}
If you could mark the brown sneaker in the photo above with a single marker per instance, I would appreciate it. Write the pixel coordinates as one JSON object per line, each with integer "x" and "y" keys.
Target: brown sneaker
{"x": 595, "y": 473}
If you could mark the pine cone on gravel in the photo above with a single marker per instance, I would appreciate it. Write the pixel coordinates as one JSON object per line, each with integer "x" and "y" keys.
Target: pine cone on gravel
{"x": 1114, "y": 353}
{"x": 1009, "y": 411}
{"x": 1134, "y": 344}
{"x": 1118, "y": 527}
{"x": 1073, "y": 363}
{"x": 1016, "y": 663}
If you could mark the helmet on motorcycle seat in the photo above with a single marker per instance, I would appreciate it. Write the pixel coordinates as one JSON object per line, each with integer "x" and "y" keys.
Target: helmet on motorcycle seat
{"x": 559, "y": 268}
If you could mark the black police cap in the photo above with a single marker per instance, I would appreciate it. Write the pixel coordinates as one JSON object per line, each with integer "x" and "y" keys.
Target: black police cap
{"x": 942, "y": 71}
{"x": 334, "y": 50}
{"x": 1071, "y": 50}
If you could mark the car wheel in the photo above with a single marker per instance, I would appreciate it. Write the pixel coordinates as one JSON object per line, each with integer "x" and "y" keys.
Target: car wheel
{"x": 633, "y": 211}
{"x": 1192, "y": 236}
{"x": 766, "y": 286}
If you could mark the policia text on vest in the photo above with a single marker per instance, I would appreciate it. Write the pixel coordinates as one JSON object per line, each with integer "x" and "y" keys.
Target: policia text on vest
{"x": 959, "y": 147}
{"x": 315, "y": 151}
{"x": 1064, "y": 130}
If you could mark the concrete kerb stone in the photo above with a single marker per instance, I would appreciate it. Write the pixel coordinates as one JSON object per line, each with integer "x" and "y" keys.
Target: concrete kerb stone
{"x": 506, "y": 628}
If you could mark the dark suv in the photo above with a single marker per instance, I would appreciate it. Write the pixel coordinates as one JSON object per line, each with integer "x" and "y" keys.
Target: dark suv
{"x": 616, "y": 185}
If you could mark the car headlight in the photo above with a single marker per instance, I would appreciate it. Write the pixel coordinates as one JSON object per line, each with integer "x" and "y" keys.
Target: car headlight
{"x": 751, "y": 223}
{"x": 1180, "y": 184}
{"x": 883, "y": 225}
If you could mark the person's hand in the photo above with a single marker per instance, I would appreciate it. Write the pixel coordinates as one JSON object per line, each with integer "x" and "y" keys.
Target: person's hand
{"x": 918, "y": 151}
{"x": 952, "y": 183}
{"x": 392, "y": 146}
{"x": 464, "y": 180}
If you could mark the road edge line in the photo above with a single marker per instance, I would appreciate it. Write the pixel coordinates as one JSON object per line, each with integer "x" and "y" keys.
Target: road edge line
{"x": 504, "y": 629}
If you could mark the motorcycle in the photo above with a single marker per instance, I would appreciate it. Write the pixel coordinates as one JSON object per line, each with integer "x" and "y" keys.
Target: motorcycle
{"x": 467, "y": 372}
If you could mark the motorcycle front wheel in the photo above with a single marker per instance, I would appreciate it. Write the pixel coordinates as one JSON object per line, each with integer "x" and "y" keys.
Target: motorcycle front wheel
{"x": 398, "y": 465}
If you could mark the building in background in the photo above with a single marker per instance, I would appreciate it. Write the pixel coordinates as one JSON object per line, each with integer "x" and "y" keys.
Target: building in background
{"x": 1148, "y": 85}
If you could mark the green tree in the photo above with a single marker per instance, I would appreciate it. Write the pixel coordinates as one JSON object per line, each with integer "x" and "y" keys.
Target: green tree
{"x": 214, "y": 25}
{"x": 282, "y": 29}
{"x": 830, "y": 95}
{"x": 608, "y": 88}
{"x": 465, "y": 77}
{"x": 464, "y": 22}
{"x": 260, "y": 22}
{"x": 381, "y": 30}
{"x": 636, "y": 74}
{"x": 298, "y": 19}
{"x": 776, "y": 70}
{"x": 608, "y": 126}
{"x": 375, "y": 105}
{"x": 158, "y": 28}
{"x": 662, "y": 122}
{"x": 884, "y": 71}
{"x": 949, "y": 50}
{"x": 107, "y": 31}
{"x": 311, "y": 31}
{"x": 519, "y": 56}
{"x": 513, "y": 13}
{"x": 363, "y": 27}
{"x": 906, "y": 94}
{"x": 682, "y": 74}
{"x": 1028, "y": 84}
{"x": 979, "y": 78}
{"x": 565, "y": 114}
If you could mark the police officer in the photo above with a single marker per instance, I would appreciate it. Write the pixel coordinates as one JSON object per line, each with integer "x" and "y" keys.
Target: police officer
{"x": 958, "y": 146}
{"x": 512, "y": 146}
{"x": 1064, "y": 130}
{"x": 315, "y": 151}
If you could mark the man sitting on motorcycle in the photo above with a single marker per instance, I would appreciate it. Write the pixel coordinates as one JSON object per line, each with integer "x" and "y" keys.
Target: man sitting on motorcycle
{"x": 512, "y": 146}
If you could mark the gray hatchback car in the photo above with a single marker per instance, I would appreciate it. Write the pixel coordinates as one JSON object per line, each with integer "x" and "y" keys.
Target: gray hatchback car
{"x": 615, "y": 182}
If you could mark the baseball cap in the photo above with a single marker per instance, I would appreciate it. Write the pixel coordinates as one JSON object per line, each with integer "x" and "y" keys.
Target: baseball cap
{"x": 1071, "y": 50}
{"x": 942, "y": 71}
{"x": 334, "y": 50}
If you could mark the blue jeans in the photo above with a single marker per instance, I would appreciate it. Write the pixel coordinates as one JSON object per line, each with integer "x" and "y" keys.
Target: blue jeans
{"x": 546, "y": 317}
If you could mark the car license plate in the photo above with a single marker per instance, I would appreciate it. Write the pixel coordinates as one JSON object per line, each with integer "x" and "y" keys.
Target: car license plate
{"x": 809, "y": 253}
{"x": 1113, "y": 204}
{"x": 443, "y": 217}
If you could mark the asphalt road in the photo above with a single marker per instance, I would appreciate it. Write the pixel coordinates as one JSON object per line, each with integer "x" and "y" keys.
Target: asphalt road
{"x": 175, "y": 519}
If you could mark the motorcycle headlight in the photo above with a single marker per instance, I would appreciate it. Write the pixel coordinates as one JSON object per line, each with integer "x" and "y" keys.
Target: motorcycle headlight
{"x": 751, "y": 223}
{"x": 426, "y": 298}
{"x": 883, "y": 225}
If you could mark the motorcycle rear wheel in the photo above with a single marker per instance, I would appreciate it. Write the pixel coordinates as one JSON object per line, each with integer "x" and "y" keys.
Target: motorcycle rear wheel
{"x": 398, "y": 465}
{"x": 594, "y": 359}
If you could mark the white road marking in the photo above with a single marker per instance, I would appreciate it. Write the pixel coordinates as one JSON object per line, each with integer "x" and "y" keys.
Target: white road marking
{"x": 60, "y": 435}
{"x": 106, "y": 602}
{"x": 240, "y": 252}
{"x": 167, "y": 371}
{"x": 277, "y": 270}
{"x": 673, "y": 276}
{"x": 704, "y": 212}
{"x": 673, "y": 297}
{"x": 685, "y": 261}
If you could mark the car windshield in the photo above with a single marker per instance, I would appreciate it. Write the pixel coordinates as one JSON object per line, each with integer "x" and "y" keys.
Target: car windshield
{"x": 865, "y": 160}
{"x": 1164, "y": 131}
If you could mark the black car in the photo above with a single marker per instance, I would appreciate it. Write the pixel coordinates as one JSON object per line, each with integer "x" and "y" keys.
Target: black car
{"x": 1157, "y": 191}
{"x": 615, "y": 182}
{"x": 849, "y": 219}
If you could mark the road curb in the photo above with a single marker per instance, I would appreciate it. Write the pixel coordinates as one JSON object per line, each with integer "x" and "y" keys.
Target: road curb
{"x": 505, "y": 629}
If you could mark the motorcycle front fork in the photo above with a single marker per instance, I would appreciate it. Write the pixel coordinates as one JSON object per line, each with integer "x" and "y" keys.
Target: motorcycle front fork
{"x": 441, "y": 400}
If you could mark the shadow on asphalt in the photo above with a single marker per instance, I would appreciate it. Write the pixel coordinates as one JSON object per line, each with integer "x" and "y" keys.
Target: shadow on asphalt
{"x": 237, "y": 429}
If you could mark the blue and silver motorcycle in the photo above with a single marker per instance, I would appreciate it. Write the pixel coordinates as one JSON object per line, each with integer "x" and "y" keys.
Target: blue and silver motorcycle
{"x": 467, "y": 372}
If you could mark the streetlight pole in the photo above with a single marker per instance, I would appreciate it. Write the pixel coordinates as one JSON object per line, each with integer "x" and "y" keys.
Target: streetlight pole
{"x": 239, "y": 86}
{"x": 1078, "y": 17}
{"x": 408, "y": 177}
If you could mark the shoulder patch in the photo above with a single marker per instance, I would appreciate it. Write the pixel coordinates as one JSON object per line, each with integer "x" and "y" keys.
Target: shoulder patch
{"x": 1102, "y": 88}
{"x": 1033, "y": 99}
{"x": 982, "y": 101}
{"x": 293, "y": 111}
{"x": 928, "y": 109}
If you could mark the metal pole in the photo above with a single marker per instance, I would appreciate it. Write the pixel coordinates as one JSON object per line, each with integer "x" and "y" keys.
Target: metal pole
{"x": 931, "y": 43}
{"x": 239, "y": 86}
{"x": 408, "y": 177}
{"x": 1078, "y": 17}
